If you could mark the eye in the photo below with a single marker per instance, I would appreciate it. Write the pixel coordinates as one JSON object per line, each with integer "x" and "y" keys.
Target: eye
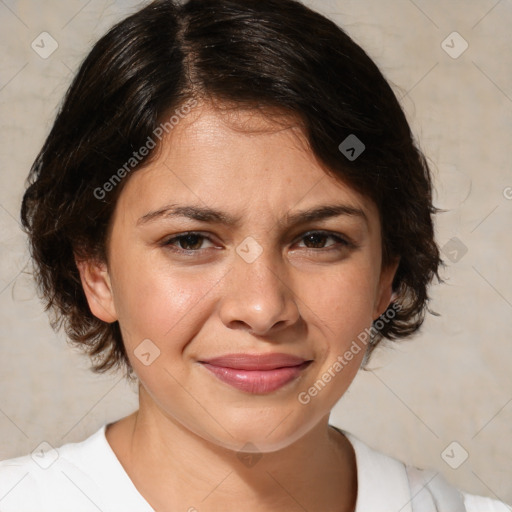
{"x": 188, "y": 242}
{"x": 193, "y": 242}
{"x": 317, "y": 239}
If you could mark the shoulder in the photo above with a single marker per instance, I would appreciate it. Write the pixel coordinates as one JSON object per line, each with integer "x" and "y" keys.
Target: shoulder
{"x": 50, "y": 477}
{"x": 17, "y": 476}
{"x": 430, "y": 487}
{"x": 478, "y": 504}
{"x": 387, "y": 484}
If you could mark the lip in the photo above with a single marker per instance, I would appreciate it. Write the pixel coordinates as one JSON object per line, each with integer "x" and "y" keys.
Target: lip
{"x": 256, "y": 373}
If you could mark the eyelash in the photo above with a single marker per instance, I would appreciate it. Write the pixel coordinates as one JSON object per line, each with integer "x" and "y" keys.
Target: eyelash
{"x": 340, "y": 242}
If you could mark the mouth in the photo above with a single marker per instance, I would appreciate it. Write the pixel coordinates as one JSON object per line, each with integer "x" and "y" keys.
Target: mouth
{"x": 257, "y": 374}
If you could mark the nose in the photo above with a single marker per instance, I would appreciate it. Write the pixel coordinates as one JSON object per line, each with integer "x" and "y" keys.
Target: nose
{"x": 258, "y": 297}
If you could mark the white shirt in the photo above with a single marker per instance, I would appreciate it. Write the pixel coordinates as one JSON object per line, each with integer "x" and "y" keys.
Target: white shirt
{"x": 88, "y": 477}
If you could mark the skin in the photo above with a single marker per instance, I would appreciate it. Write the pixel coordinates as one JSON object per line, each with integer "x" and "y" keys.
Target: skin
{"x": 301, "y": 297}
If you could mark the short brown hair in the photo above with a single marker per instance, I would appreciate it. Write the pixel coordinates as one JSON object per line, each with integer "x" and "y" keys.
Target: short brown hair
{"x": 254, "y": 53}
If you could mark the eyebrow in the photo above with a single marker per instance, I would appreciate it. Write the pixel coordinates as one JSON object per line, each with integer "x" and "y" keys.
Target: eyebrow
{"x": 210, "y": 215}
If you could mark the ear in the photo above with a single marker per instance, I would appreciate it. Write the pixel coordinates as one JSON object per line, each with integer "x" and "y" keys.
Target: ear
{"x": 385, "y": 288}
{"x": 98, "y": 289}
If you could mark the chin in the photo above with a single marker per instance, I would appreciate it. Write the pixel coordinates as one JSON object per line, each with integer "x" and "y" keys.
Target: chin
{"x": 259, "y": 431}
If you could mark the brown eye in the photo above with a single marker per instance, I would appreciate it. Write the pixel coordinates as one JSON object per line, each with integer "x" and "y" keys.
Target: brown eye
{"x": 191, "y": 242}
{"x": 317, "y": 240}
{"x": 187, "y": 242}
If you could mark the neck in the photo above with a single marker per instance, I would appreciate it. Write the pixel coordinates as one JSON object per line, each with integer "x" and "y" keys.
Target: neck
{"x": 173, "y": 468}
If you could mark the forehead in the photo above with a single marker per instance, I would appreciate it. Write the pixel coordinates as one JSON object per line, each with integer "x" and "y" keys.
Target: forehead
{"x": 243, "y": 160}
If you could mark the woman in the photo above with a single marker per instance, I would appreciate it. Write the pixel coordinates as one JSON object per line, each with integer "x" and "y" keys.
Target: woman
{"x": 231, "y": 208}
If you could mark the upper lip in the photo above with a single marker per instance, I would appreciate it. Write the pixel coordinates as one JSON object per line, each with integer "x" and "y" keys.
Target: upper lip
{"x": 256, "y": 361}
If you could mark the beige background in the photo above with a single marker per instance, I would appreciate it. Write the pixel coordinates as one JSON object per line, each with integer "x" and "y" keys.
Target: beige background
{"x": 452, "y": 382}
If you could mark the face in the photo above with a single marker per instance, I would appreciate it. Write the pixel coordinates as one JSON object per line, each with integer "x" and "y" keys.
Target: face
{"x": 240, "y": 272}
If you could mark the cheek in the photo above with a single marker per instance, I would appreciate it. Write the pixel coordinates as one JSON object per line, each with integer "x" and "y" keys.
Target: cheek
{"x": 161, "y": 304}
{"x": 341, "y": 300}
{"x": 341, "y": 308}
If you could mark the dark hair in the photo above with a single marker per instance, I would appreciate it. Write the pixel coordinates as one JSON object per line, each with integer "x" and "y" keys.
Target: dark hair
{"x": 266, "y": 54}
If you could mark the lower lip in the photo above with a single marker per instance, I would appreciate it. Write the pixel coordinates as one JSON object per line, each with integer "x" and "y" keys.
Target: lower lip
{"x": 257, "y": 381}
